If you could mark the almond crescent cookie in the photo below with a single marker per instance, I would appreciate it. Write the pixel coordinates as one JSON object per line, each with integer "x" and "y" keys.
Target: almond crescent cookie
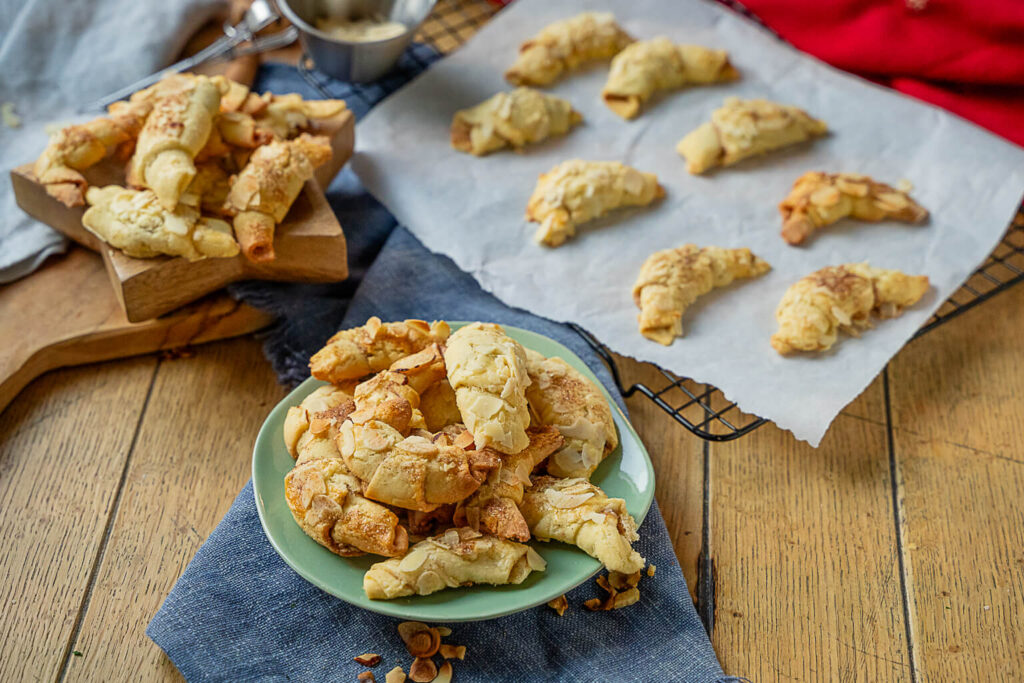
{"x": 560, "y": 396}
{"x": 439, "y": 406}
{"x": 487, "y": 370}
{"x": 494, "y": 506}
{"x": 175, "y": 131}
{"x": 645, "y": 67}
{"x": 326, "y": 503}
{"x": 359, "y": 351}
{"x": 576, "y": 191}
{"x": 577, "y": 512}
{"x": 671, "y": 280}
{"x": 297, "y": 420}
{"x": 820, "y": 199}
{"x": 512, "y": 119}
{"x": 266, "y": 188}
{"x": 76, "y": 148}
{"x": 746, "y": 128}
{"x": 135, "y": 222}
{"x": 565, "y": 45}
{"x": 815, "y": 308}
{"x": 458, "y": 557}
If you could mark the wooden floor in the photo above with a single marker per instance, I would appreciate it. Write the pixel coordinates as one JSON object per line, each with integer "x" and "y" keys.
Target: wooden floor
{"x": 895, "y": 552}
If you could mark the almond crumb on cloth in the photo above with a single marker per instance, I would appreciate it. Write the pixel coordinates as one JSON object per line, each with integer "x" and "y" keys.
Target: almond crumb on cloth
{"x": 396, "y": 675}
{"x": 444, "y": 674}
{"x": 559, "y": 604}
{"x": 368, "y": 659}
{"x": 453, "y": 651}
{"x": 423, "y": 670}
{"x": 366, "y": 677}
{"x": 622, "y": 591}
{"x": 650, "y": 570}
{"x": 420, "y": 640}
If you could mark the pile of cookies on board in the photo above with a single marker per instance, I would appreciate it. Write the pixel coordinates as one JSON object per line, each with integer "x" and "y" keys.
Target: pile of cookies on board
{"x": 446, "y": 453}
{"x": 816, "y": 308}
{"x": 198, "y": 151}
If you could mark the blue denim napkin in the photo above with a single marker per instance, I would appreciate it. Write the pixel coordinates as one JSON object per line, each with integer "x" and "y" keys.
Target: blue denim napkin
{"x": 239, "y": 613}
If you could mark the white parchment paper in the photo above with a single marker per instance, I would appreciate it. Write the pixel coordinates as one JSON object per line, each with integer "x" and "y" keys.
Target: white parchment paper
{"x": 472, "y": 208}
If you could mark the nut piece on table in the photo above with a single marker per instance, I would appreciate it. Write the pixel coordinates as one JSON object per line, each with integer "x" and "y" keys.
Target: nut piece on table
{"x": 444, "y": 631}
{"x": 420, "y": 640}
{"x": 444, "y": 674}
{"x": 650, "y": 570}
{"x": 368, "y": 659}
{"x": 453, "y": 651}
{"x": 559, "y": 604}
{"x": 366, "y": 677}
{"x": 396, "y": 675}
{"x": 423, "y": 670}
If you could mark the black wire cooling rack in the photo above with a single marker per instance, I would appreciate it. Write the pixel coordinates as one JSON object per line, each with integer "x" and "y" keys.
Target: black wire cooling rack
{"x": 702, "y": 408}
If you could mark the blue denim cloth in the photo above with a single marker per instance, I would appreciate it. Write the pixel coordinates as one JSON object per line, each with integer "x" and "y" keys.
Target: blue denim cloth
{"x": 239, "y": 613}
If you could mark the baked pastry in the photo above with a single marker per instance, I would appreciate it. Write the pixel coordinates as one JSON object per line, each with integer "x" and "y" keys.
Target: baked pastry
{"x": 285, "y": 116}
{"x": 422, "y": 369}
{"x": 389, "y": 398}
{"x": 458, "y": 557}
{"x": 487, "y": 370}
{"x": 76, "y": 148}
{"x": 494, "y": 506}
{"x": 511, "y": 119}
{"x": 815, "y": 308}
{"x": 439, "y": 406}
{"x": 135, "y": 222}
{"x": 297, "y": 420}
{"x": 326, "y": 503}
{"x": 175, "y": 131}
{"x": 746, "y": 128}
{"x": 577, "y": 512}
{"x": 565, "y": 45}
{"x": 576, "y": 191}
{"x": 820, "y": 199}
{"x": 560, "y": 396}
{"x": 671, "y": 280}
{"x": 647, "y": 66}
{"x": 359, "y": 351}
{"x": 263, "y": 192}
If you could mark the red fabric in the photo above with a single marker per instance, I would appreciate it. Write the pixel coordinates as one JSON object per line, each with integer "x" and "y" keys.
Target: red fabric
{"x": 964, "y": 55}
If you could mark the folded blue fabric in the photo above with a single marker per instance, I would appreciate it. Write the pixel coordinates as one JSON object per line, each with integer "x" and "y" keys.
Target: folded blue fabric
{"x": 239, "y": 613}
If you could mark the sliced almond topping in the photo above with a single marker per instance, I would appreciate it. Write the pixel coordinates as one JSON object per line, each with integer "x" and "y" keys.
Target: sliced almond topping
{"x": 565, "y": 501}
{"x": 849, "y": 187}
{"x": 627, "y": 598}
{"x": 559, "y": 604}
{"x": 423, "y": 670}
{"x": 534, "y": 560}
{"x": 361, "y": 416}
{"x": 366, "y": 677}
{"x": 444, "y": 674}
{"x": 464, "y": 440}
{"x": 412, "y": 561}
{"x": 368, "y": 659}
{"x": 825, "y": 196}
{"x": 453, "y": 651}
{"x": 420, "y": 640}
{"x": 904, "y": 185}
{"x": 893, "y": 199}
{"x": 419, "y": 446}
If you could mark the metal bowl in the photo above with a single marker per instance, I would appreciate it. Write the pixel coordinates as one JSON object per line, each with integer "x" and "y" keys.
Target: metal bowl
{"x": 356, "y": 62}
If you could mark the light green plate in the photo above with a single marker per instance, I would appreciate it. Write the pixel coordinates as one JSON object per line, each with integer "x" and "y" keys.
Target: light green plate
{"x": 626, "y": 473}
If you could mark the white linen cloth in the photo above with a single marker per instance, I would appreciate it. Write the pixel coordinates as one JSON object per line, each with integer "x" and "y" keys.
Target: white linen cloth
{"x": 472, "y": 208}
{"x": 56, "y": 56}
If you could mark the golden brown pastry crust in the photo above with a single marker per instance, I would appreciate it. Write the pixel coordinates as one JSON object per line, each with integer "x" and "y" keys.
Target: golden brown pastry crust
{"x": 565, "y": 45}
{"x": 487, "y": 370}
{"x": 264, "y": 191}
{"x": 841, "y": 298}
{"x": 458, "y": 557}
{"x": 175, "y": 131}
{"x": 746, "y": 128}
{"x": 562, "y": 397}
{"x": 671, "y": 280}
{"x": 577, "y": 191}
{"x": 511, "y": 119}
{"x": 577, "y": 512}
{"x": 135, "y": 222}
{"x": 359, "y": 351}
{"x": 819, "y": 199}
{"x": 645, "y": 67}
{"x": 494, "y": 506}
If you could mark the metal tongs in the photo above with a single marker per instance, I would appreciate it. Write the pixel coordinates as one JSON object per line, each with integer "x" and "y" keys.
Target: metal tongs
{"x": 259, "y": 15}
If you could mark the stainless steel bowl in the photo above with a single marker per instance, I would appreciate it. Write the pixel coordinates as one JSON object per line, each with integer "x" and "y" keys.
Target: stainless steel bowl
{"x": 357, "y": 62}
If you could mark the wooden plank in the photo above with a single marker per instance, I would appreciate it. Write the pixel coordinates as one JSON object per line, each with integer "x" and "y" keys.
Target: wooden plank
{"x": 803, "y": 541}
{"x": 957, "y": 423}
{"x": 678, "y": 460}
{"x": 63, "y": 446}
{"x": 67, "y": 314}
{"x": 192, "y": 457}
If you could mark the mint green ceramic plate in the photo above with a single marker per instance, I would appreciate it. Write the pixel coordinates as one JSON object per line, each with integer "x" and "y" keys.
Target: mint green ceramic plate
{"x": 626, "y": 473}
